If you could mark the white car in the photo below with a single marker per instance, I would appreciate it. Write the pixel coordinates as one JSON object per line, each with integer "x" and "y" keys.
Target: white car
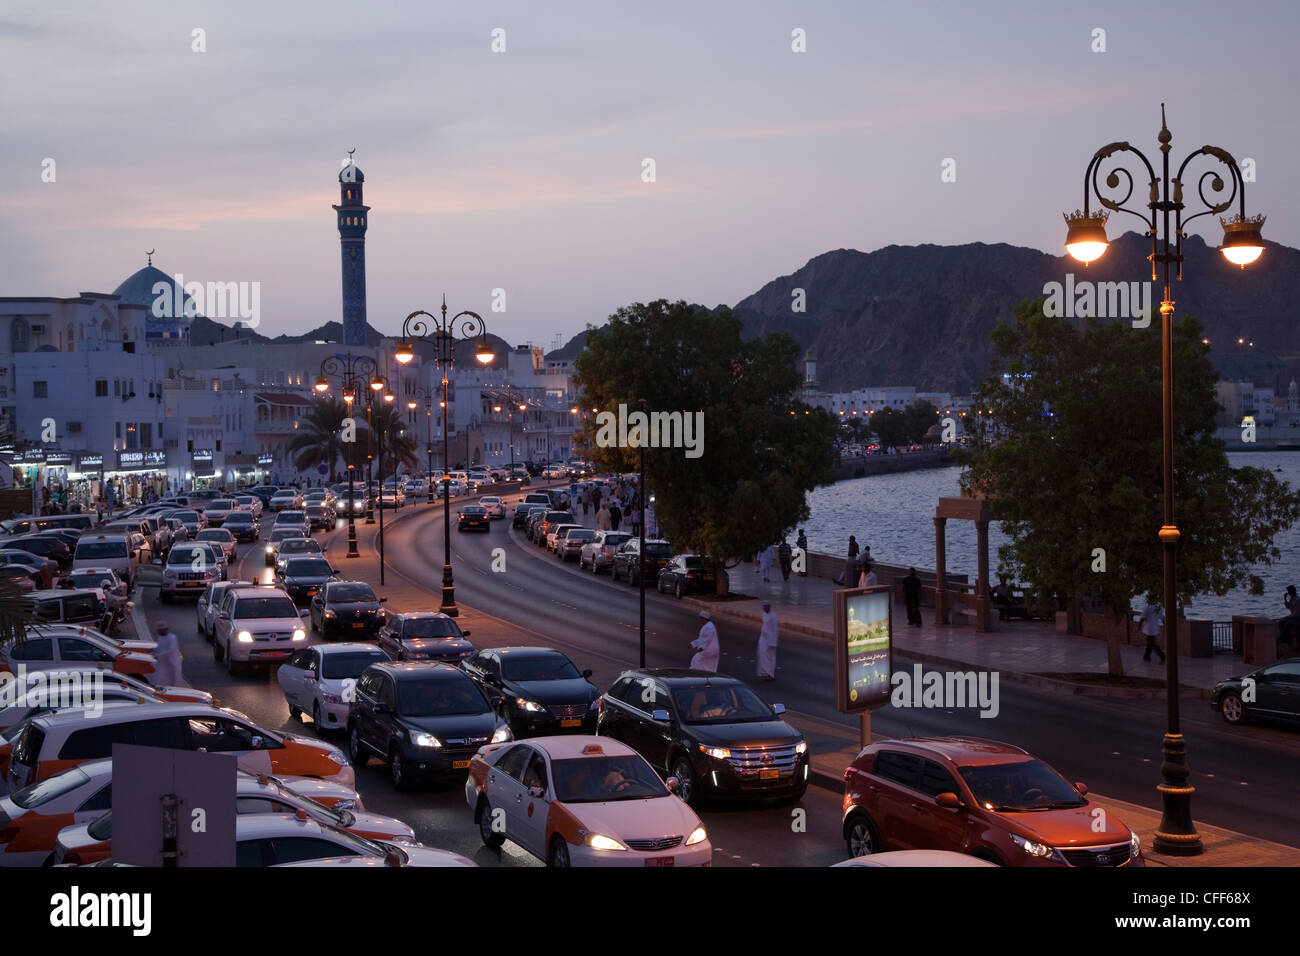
{"x": 250, "y": 503}
{"x": 599, "y": 551}
{"x": 555, "y": 533}
{"x": 496, "y": 508}
{"x": 107, "y": 551}
{"x": 415, "y": 487}
{"x": 321, "y": 681}
{"x": 206, "y": 609}
{"x": 554, "y": 471}
{"x": 219, "y": 538}
{"x": 190, "y": 568}
{"x": 218, "y": 510}
{"x": 34, "y": 814}
{"x": 293, "y": 519}
{"x": 286, "y": 498}
{"x": 579, "y": 800}
{"x": 282, "y": 839}
{"x": 256, "y": 625}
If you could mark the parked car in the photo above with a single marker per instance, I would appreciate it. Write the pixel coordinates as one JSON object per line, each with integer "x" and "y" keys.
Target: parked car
{"x": 569, "y": 544}
{"x": 687, "y": 574}
{"x": 62, "y": 651}
{"x": 992, "y": 800}
{"x": 1275, "y": 694}
{"x": 542, "y": 692}
{"x": 424, "y": 636}
{"x": 598, "y": 552}
{"x": 115, "y": 591}
{"x": 88, "y": 606}
{"x": 346, "y": 608}
{"x": 322, "y": 681}
{"x": 424, "y": 720}
{"x": 627, "y": 566}
{"x": 711, "y": 732}
{"x": 552, "y": 520}
{"x": 522, "y": 513}
{"x": 42, "y": 569}
{"x": 19, "y": 577}
{"x": 51, "y": 548}
{"x": 256, "y": 625}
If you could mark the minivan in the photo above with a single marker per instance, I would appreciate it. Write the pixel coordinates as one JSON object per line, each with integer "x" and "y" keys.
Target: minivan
{"x": 108, "y": 551}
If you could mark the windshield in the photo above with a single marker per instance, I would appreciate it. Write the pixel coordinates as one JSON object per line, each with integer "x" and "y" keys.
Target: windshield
{"x": 658, "y": 550}
{"x": 307, "y": 566}
{"x": 1020, "y": 787}
{"x": 264, "y": 607}
{"x": 550, "y": 667}
{"x": 352, "y": 594}
{"x": 430, "y": 627}
{"x": 694, "y": 562}
{"x": 719, "y": 704}
{"x": 45, "y": 791}
{"x": 441, "y": 697}
{"x": 186, "y": 517}
{"x": 613, "y": 540}
{"x": 92, "y": 579}
{"x": 213, "y": 534}
{"x": 300, "y": 546}
{"x": 101, "y": 549}
{"x": 602, "y": 779}
{"x": 183, "y": 555}
{"x": 349, "y": 663}
{"x": 222, "y": 503}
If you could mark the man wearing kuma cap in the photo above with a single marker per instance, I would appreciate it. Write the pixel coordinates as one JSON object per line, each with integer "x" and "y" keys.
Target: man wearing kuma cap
{"x": 706, "y": 646}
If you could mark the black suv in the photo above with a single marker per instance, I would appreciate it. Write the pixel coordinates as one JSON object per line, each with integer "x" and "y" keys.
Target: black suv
{"x": 347, "y": 608}
{"x": 625, "y": 564}
{"x": 424, "y": 636}
{"x": 543, "y": 692}
{"x": 711, "y": 732}
{"x": 425, "y": 720}
{"x": 302, "y": 578}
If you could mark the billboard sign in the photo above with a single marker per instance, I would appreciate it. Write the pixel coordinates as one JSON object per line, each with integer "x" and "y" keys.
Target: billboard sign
{"x": 864, "y": 648}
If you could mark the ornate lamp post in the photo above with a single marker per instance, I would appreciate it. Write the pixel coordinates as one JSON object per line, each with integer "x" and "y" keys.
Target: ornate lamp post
{"x": 443, "y": 333}
{"x": 354, "y": 374}
{"x": 510, "y": 418}
{"x": 426, "y": 393}
{"x": 1086, "y": 241}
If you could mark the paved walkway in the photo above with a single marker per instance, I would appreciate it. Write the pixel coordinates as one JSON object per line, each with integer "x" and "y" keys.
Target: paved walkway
{"x": 1018, "y": 649}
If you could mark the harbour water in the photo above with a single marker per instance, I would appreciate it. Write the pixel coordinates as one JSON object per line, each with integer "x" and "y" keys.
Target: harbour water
{"x": 894, "y": 514}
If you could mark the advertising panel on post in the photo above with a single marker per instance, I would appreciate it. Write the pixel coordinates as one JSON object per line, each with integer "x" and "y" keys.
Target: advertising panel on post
{"x": 864, "y": 648}
{"x": 173, "y": 807}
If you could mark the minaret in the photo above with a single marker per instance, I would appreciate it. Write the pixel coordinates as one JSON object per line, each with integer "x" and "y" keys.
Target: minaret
{"x": 352, "y": 237}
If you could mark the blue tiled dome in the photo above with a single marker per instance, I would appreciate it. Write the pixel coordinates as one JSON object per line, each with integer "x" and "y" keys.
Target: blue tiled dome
{"x": 139, "y": 289}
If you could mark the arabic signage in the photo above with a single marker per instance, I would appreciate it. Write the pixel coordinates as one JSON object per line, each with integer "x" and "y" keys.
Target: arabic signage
{"x": 141, "y": 460}
{"x": 863, "y": 648}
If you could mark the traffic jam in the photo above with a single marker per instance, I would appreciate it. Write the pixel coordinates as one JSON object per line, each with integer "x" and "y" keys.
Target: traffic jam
{"x": 569, "y": 773}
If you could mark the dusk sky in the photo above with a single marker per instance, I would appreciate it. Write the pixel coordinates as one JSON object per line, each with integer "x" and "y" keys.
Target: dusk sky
{"x": 522, "y": 170}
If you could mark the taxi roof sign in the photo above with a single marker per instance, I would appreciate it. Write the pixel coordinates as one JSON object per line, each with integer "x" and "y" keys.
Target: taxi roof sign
{"x": 593, "y": 749}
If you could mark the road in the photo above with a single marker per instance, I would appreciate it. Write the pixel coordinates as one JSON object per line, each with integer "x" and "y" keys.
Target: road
{"x": 1244, "y": 776}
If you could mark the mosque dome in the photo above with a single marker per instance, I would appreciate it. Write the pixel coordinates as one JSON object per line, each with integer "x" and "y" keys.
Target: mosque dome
{"x": 167, "y": 308}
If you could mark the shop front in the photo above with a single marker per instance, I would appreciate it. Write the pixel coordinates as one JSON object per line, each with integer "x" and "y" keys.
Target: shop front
{"x": 241, "y": 472}
{"x": 86, "y": 479}
{"x": 202, "y": 476}
{"x": 140, "y": 476}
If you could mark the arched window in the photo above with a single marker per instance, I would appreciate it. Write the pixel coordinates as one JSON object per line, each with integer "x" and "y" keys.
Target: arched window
{"x": 19, "y": 335}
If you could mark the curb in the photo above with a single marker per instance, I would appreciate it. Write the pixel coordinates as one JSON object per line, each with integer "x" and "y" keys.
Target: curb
{"x": 1030, "y": 680}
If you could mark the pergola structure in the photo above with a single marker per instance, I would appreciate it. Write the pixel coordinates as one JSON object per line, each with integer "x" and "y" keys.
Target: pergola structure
{"x": 963, "y": 509}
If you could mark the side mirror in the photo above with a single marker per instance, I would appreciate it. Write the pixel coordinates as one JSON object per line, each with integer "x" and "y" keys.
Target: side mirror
{"x": 661, "y": 716}
{"x": 537, "y": 792}
{"x": 948, "y": 801}
{"x": 1082, "y": 788}
{"x": 383, "y": 600}
{"x": 587, "y": 673}
{"x": 778, "y": 709}
{"x": 464, "y": 633}
{"x": 334, "y": 570}
{"x": 672, "y": 783}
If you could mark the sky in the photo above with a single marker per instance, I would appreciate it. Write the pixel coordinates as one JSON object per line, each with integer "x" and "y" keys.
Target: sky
{"x": 524, "y": 169}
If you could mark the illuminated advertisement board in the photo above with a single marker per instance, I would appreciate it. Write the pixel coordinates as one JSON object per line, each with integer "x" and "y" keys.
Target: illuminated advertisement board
{"x": 864, "y": 648}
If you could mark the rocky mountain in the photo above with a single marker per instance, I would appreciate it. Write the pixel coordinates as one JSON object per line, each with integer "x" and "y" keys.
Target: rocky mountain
{"x": 922, "y": 315}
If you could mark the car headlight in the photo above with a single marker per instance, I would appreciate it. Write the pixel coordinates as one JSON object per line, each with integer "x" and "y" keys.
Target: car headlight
{"x": 270, "y": 549}
{"x": 421, "y": 739}
{"x": 801, "y": 747}
{"x": 532, "y": 706}
{"x": 337, "y": 757}
{"x": 721, "y": 753}
{"x": 1033, "y": 847}
{"x": 501, "y": 734}
{"x": 329, "y": 613}
{"x": 244, "y": 637}
{"x": 697, "y": 836}
{"x": 300, "y": 635}
{"x": 1135, "y": 844}
{"x": 598, "y": 842}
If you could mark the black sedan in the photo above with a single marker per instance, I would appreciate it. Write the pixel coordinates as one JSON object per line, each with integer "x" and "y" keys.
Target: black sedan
{"x": 424, "y": 636}
{"x": 1272, "y": 692}
{"x": 543, "y": 692}
{"x": 347, "y": 609}
{"x": 686, "y": 574}
{"x": 711, "y": 732}
{"x": 473, "y": 518}
{"x": 243, "y": 525}
{"x": 321, "y": 517}
{"x": 522, "y": 514}
{"x": 302, "y": 578}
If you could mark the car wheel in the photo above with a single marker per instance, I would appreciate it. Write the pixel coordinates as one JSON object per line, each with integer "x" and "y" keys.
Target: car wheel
{"x": 680, "y": 590}
{"x": 295, "y": 713}
{"x": 356, "y": 750}
{"x": 686, "y": 788}
{"x": 218, "y": 652}
{"x": 860, "y": 836}
{"x": 558, "y": 856}
{"x": 397, "y": 770}
{"x": 1232, "y": 709}
{"x": 486, "y": 833}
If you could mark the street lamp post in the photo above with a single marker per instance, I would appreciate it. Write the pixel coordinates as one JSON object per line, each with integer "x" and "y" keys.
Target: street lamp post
{"x": 426, "y": 393}
{"x": 379, "y": 442}
{"x": 442, "y": 333}
{"x": 1242, "y": 245}
{"x": 349, "y": 370}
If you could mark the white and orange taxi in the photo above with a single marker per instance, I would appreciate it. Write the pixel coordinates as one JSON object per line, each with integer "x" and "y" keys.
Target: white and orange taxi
{"x": 578, "y": 800}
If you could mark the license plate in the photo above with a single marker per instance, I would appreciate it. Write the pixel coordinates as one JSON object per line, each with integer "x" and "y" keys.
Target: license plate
{"x": 191, "y": 584}
{"x": 358, "y": 623}
{"x": 571, "y": 722}
{"x": 459, "y": 764}
{"x": 768, "y": 774}
{"x": 660, "y": 861}
{"x": 274, "y": 655}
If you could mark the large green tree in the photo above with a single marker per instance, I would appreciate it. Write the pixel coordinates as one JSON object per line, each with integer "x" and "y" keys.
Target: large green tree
{"x": 762, "y": 449}
{"x": 919, "y": 418}
{"x": 1071, "y": 456}
{"x": 890, "y": 427}
{"x": 389, "y": 423}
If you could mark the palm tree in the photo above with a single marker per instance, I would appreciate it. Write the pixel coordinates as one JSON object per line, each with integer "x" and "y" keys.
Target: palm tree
{"x": 319, "y": 432}
{"x": 399, "y": 442}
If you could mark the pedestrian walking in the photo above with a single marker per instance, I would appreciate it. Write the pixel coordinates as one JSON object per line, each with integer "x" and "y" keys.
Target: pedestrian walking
{"x": 168, "y": 655}
{"x": 765, "y": 559}
{"x": 784, "y": 555}
{"x": 602, "y": 519}
{"x": 801, "y": 543}
{"x": 867, "y": 579}
{"x": 615, "y": 516}
{"x": 851, "y": 563}
{"x": 1153, "y": 618}
{"x": 912, "y": 597}
{"x": 767, "y": 643}
{"x": 706, "y": 646}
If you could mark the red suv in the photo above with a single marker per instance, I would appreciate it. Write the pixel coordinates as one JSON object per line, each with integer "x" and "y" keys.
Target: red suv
{"x": 989, "y": 799}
